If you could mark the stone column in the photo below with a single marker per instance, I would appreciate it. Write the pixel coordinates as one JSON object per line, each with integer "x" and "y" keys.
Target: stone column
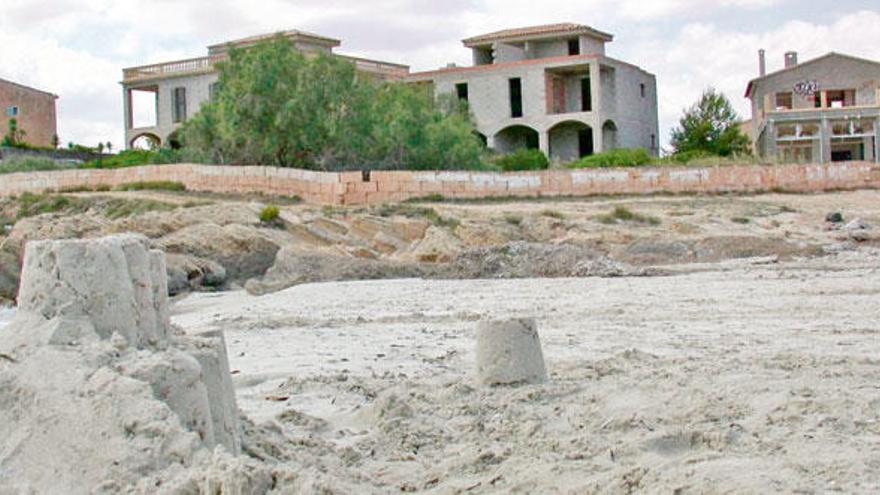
{"x": 877, "y": 139}
{"x": 825, "y": 141}
{"x": 544, "y": 142}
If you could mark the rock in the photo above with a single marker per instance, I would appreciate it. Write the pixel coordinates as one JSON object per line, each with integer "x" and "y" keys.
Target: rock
{"x": 243, "y": 251}
{"x": 835, "y": 217}
{"x": 509, "y": 353}
{"x": 188, "y": 273}
{"x": 857, "y": 224}
{"x": 295, "y": 267}
{"x": 859, "y": 230}
{"x": 116, "y": 283}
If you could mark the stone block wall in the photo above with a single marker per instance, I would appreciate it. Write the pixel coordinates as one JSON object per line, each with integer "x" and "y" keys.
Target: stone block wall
{"x": 350, "y": 188}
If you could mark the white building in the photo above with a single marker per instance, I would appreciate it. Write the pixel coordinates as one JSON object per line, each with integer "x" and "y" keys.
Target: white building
{"x": 552, "y": 87}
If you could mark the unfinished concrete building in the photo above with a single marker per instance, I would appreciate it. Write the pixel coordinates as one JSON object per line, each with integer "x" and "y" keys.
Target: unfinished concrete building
{"x": 824, "y": 110}
{"x": 552, "y": 88}
{"x": 177, "y": 89}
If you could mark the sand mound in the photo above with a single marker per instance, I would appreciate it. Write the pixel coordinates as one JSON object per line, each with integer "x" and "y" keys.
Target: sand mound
{"x": 99, "y": 393}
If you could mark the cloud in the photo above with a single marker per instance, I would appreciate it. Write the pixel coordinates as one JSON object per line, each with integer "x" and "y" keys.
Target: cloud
{"x": 77, "y": 48}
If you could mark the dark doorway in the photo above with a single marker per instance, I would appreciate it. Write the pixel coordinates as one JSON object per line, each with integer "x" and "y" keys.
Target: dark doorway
{"x": 516, "y": 102}
{"x": 533, "y": 142}
{"x": 841, "y": 156}
{"x": 586, "y": 95}
{"x": 585, "y": 142}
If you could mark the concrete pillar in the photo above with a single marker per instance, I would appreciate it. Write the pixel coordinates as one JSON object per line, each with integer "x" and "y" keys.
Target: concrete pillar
{"x": 877, "y": 139}
{"x": 825, "y": 141}
{"x": 544, "y": 142}
{"x": 772, "y": 149}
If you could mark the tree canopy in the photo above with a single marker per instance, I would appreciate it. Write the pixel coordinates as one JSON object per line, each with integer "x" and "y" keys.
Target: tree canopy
{"x": 275, "y": 105}
{"x": 710, "y": 126}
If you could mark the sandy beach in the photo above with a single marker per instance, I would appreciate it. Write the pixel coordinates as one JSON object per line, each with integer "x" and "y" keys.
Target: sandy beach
{"x": 744, "y": 378}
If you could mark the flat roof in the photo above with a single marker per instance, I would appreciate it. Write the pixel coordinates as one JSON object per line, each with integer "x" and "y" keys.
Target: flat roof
{"x": 28, "y": 88}
{"x": 291, "y": 33}
{"x": 523, "y": 33}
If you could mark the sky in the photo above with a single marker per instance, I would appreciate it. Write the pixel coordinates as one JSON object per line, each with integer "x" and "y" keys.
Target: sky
{"x": 78, "y": 48}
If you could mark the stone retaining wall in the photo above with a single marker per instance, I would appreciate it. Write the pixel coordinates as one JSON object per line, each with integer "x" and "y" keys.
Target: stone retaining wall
{"x": 351, "y": 188}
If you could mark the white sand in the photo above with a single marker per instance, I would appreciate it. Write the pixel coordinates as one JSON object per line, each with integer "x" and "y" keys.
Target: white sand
{"x": 747, "y": 379}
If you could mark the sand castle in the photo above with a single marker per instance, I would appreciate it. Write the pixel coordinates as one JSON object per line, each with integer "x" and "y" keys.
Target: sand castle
{"x": 93, "y": 368}
{"x": 509, "y": 353}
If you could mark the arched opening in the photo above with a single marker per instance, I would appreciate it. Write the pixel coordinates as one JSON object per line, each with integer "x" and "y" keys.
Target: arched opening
{"x": 483, "y": 139}
{"x": 570, "y": 140}
{"x": 174, "y": 142}
{"x": 609, "y": 136}
{"x": 145, "y": 141}
{"x": 515, "y": 138}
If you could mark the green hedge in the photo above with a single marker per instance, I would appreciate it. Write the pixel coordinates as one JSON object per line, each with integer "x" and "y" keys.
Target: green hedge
{"x": 524, "y": 159}
{"x": 638, "y": 157}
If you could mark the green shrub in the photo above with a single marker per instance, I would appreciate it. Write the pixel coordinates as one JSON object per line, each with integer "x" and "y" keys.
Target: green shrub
{"x": 270, "y": 214}
{"x": 622, "y": 214}
{"x": 637, "y": 157}
{"x": 38, "y": 204}
{"x": 124, "y": 208}
{"x": 159, "y": 185}
{"x": 30, "y": 164}
{"x": 524, "y": 159}
{"x": 514, "y": 220}
{"x": 553, "y": 214}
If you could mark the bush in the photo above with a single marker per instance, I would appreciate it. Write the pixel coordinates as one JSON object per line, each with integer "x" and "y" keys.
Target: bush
{"x": 637, "y": 157}
{"x": 623, "y": 214}
{"x": 161, "y": 185}
{"x": 522, "y": 160}
{"x": 319, "y": 113}
{"x": 30, "y": 164}
{"x": 270, "y": 214}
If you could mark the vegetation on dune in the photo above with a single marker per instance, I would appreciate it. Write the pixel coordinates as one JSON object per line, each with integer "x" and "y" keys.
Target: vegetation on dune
{"x": 164, "y": 185}
{"x": 622, "y": 214}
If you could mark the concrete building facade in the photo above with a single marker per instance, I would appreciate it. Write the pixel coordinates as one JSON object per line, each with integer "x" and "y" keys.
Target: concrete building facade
{"x": 552, "y": 88}
{"x": 823, "y": 110}
{"x": 33, "y": 110}
{"x": 179, "y": 88}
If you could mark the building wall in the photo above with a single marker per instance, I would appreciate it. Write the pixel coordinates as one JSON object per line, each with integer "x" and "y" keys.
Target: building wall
{"x": 36, "y": 113}
{"x": 831, "y": 73}
{"x": 198, "y": 89}
{"x": 349, "y": 188}
{"x": 619, "y": 96}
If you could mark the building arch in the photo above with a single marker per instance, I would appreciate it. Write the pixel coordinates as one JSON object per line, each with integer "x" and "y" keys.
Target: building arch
{"x": 570, "y": 140}
{"x": 515, "y": 138}
{"x": 609, "y": 136}
{"x": 145, "y": 140}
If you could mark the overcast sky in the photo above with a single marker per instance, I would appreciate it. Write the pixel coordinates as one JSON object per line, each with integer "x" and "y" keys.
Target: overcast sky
{"x": 77, "y": 48}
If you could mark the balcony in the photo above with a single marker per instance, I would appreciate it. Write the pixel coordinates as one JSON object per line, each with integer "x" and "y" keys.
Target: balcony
{"x": 201, "y": 65}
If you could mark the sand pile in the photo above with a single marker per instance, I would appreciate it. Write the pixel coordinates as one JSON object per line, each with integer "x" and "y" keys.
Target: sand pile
{"x": 99, "y": 393}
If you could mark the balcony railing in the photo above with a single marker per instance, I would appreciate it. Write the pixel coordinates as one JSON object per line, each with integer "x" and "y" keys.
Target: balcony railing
{"x": 180, "y": 67}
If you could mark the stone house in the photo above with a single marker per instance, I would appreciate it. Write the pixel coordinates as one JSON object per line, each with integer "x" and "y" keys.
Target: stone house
{"x": 34, "y": 111}
{"x": 823, "y": 110}
{"x": 553, "y": 88}
{"x": 548, "y": 87}
{"x": 179, "y": 88}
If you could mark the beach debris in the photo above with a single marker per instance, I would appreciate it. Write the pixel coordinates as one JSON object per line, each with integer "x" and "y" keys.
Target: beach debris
{"x": 509, "y": 353}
